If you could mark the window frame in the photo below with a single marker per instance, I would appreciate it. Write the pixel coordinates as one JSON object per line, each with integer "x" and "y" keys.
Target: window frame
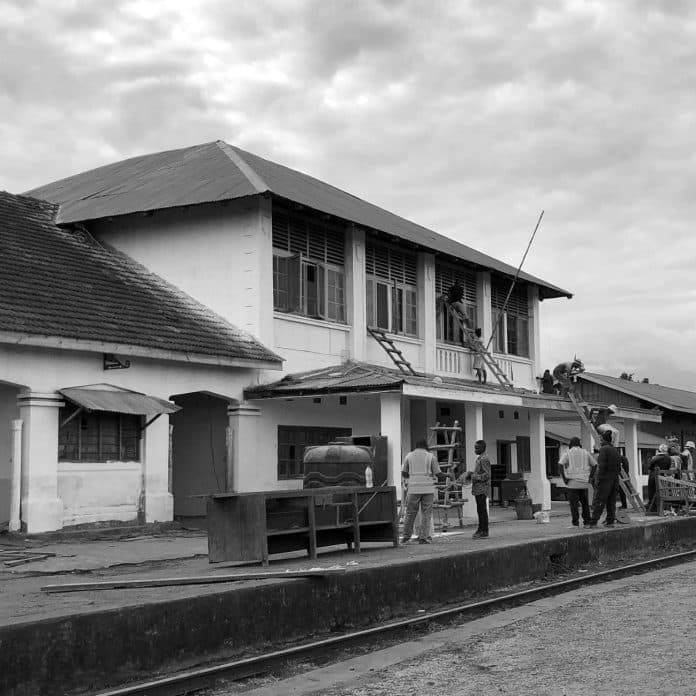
{"x": 512, "y": 334}
{"x": 445, "y": 275}
{"x": 125, "y": 423}
{"x": 397, "y": 320}
{"x": 319, "y": 435}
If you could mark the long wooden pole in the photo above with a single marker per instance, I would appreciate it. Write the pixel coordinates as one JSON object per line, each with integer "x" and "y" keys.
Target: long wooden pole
{"x": 514, "y": 281}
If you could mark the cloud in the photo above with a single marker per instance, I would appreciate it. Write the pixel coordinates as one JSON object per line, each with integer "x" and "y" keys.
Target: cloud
{"x": 466, "y": 117}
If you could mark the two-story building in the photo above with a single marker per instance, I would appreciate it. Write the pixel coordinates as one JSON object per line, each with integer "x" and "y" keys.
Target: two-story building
{"x": 306, "y": 268}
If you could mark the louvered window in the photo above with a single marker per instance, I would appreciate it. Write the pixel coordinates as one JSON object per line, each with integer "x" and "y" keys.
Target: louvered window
{"x": 512, "y": 333}
{"x": 308, "y": 265}
{"x": 447, "y": 275}
{"x": 391, "y": 288}
{"x": 99, "y": 436}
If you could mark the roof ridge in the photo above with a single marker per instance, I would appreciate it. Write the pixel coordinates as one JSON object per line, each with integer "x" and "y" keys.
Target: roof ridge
{"x": 244, "y": 167}
{"x": 648, "y": 384}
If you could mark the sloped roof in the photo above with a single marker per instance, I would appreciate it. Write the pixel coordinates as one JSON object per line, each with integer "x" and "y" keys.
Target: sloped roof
{"x": 666, "y": 397}
{"x": 59, "y": 283}
{"x": 354, "y": 376}
{"x": 564, "y": 430}
{"x": 216, "y": 172}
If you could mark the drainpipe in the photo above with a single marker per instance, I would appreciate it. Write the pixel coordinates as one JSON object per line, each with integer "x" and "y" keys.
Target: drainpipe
{"x": 16, "y": 476}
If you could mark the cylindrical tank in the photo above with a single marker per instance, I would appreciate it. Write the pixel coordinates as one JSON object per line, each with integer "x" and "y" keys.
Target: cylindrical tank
{"x": 336, "y": 465}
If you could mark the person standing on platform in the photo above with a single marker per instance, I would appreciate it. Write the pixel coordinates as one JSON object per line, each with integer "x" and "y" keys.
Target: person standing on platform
{"x": 577, "y": 466}
{"x": 478, "y": 364}
{"x": 547, "y": 383}
{"x": 659, "y": 463}
{"x": 608, "y": 463}
{"x": 480, "y": 479}
{"x": 622, "y": 495}
{"x": 688, "y": 458}
{"x": 420, "y": 467}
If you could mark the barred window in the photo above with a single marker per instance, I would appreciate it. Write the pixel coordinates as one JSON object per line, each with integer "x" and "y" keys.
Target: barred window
{"x": 100, "y": 436}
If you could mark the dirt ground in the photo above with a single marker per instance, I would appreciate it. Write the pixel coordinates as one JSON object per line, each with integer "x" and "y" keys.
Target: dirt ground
{"x": 632, "y": 636}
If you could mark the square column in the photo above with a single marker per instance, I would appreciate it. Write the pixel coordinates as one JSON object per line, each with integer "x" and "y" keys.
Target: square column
{"x": 586, "y": 438}
{"x": 158, "y": 501}
{"x": 631, "y": 442}
{"x": 41, "y": 508}
{"x": 242, "y": 447}
{"x": 473, "y": 430}
{"x": 483, "y": 305}
{"x": 538, "y": 484}
{"x": 427, "y": 316}
{"x": 356, "y": 292}
{"x": 390, "y": 425}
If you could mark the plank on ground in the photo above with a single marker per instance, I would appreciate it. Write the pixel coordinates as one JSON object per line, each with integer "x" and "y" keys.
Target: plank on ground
{"x": 205, "y": 580}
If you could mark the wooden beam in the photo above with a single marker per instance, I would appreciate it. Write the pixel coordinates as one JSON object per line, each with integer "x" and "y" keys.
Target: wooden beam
{"x": 200, "y": 580}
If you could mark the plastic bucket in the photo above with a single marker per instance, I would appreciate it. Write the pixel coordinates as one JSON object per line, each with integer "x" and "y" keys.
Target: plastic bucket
{"x": 523, "y": 508}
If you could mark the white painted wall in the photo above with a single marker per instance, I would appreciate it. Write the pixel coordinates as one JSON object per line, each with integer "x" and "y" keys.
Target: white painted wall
{"x": 86, "y": 495}
{"x": 361, "y": 413}
{"x": 220, "y": 254}
{"x": 309, "y": 344}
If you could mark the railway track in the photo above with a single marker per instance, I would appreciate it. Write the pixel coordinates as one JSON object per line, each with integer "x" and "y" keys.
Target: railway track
{"x": 190, "y": 681}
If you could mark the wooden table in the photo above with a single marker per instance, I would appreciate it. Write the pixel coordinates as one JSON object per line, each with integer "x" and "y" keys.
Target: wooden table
{"x": 252, "y": 526}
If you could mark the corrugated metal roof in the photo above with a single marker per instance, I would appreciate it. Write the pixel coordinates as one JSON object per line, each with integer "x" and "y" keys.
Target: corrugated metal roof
{"x": 217, "y": 171}
{"x": 60, "y": 283}
{"x": 106, "y": 397}
{"x": 666, "y": 397}
{"x": 564, "y": 430}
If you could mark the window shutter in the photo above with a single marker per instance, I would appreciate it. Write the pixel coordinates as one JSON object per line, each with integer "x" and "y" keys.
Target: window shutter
{"x": 446, "y": 275}
{"x": 390, "y": 264}
{"x": 517, "y": 304}
{"x": 294, "y": 283}
{"x": 382, "y": 319}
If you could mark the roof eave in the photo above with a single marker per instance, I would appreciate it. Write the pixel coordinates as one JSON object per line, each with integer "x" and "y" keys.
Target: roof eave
{"x": 76, "y": 344}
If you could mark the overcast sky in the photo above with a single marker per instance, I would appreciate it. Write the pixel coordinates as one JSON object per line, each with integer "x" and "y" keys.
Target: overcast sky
{"x": 466, "y": 117}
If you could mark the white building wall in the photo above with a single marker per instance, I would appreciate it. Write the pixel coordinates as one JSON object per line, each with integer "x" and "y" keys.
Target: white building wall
{"x": 115, "y": 491}
{"x": 220, "y": 254}
{"x": 309, "y": 344}
{"x": 8, "y": 412}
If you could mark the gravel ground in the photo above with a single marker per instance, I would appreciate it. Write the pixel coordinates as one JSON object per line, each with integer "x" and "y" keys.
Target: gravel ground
{"x": 631, "y": 636}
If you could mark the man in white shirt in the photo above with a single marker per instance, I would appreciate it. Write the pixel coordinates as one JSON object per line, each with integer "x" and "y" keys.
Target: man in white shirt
{"x": 420, "y": 468}
{"x": 576, "y": 466}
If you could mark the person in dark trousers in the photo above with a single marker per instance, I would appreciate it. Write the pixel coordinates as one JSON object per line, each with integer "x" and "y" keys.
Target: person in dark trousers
{"x": 660, "y": 462}
{"x": 576, "y": 466}
{"x": 622, "y": 495}
{"x": 547, "y": 383}
{"x": 420, "y": 469}
{"x": 608, "y": 463}
{"x": 480, "y": 479}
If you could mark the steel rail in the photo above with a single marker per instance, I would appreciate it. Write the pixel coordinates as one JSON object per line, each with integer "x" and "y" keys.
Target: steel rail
{"x": 206, "y": 677}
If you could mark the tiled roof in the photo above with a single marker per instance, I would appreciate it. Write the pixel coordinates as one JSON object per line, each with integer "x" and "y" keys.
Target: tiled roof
{"x": 666, "y": 397}
{"x": 216, "y": 172}
{"x": 60, "y": 283}
{"x": 356, "y": 376}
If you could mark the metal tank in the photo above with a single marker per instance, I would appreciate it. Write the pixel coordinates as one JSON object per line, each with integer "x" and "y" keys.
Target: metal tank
{"x": 336, "y": 464}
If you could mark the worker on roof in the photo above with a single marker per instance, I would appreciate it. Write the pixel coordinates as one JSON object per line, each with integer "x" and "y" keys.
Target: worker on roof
{"x": 564, "y": 374}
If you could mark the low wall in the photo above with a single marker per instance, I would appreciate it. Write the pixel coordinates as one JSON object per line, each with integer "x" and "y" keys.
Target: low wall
{"x": 105, "y": 648}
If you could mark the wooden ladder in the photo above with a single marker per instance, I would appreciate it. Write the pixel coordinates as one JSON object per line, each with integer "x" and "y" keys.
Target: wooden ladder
{"x": 624, "y": 479}
{"x": 392, "y": 351}
{"x": 449, "y": 493}
{"x": 477, "y": 346}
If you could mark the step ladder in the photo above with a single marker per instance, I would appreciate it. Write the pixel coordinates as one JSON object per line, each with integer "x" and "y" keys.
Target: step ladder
{"x": 583, "y": 411}
{"x": 475, "y": 343}
{"x": 448, "y": 493}
{"x": 392, "y": 351}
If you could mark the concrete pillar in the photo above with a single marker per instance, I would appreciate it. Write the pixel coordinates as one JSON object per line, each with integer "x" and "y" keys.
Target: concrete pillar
{"x": 483, "y": 306}
{"x": 390, "y": 425}
{"x": 257, "y": 269}
{"x": 427, "y": 316}
{"x": 538, "y": 484}
{"x": 355, "y": 292}
{"x": 406, "y": 444}
{"x": 242, "y": 442}
{"x": 473, "y": 430}
{"x": 158, "y": 502}
{"x": 41, "y": 508}
{"x": 631, "y": 442}
{"x": 534, "y": 330}
{"x": 16, "y": 476}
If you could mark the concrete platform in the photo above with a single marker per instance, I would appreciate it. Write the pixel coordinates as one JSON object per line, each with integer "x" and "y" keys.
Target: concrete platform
{"x": 103, "y": 638}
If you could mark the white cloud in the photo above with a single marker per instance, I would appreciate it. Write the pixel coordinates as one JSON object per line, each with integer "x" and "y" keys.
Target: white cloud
{"x": 467, "y": 117}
